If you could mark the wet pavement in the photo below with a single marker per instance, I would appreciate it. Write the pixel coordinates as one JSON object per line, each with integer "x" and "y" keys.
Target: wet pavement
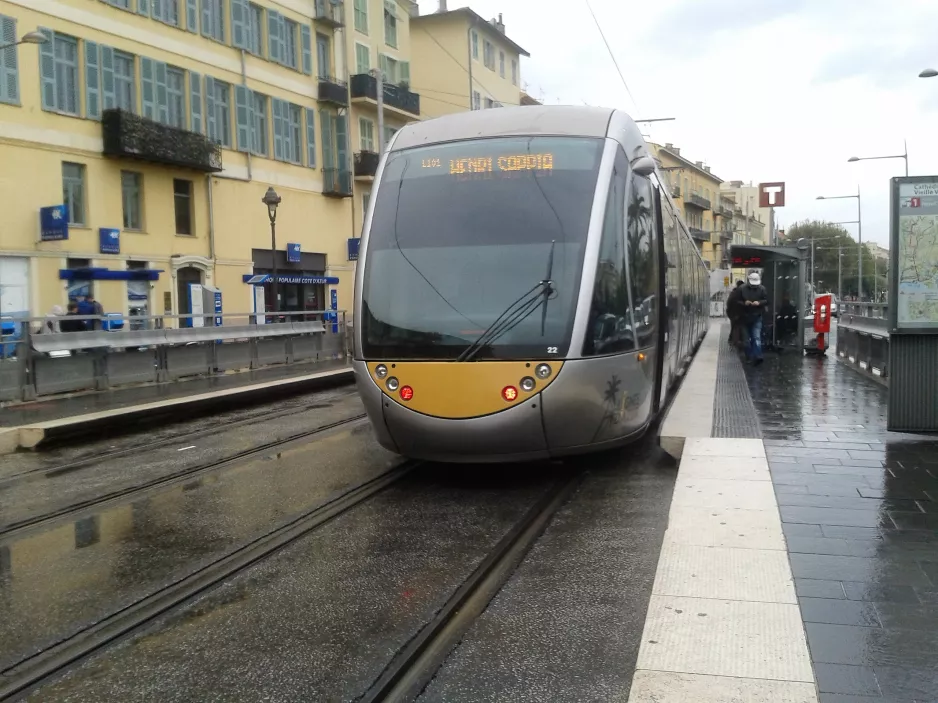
{"x": 859, "y": 509}
{"x": 55, "y": 581}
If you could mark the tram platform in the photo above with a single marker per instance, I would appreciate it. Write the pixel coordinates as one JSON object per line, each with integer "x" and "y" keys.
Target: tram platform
{"x": 27, "y": 425}
{"x": 800, "y": 563}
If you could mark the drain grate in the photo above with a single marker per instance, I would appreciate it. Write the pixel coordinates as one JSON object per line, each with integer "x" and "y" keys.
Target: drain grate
{"x": 734, "y": 414}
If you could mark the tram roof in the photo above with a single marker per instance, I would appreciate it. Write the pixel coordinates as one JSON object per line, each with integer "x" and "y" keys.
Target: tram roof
{"x": 527, "y": 120}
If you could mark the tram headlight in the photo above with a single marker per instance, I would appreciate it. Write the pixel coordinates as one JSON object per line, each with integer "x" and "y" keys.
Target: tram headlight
{"x": 392, "y": 383}
{"x": 527, "y": 384}
{"x": 381, "y": 370}
{"x": 542, "y": 371}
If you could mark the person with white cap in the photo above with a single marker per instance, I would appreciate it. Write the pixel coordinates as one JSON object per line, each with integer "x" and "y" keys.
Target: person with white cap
{"x": 754, "y": 303}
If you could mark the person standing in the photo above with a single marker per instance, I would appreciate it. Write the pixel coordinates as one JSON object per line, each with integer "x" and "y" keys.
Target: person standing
{"x": 755, "y": 300}
{"x": 734, "y": 311}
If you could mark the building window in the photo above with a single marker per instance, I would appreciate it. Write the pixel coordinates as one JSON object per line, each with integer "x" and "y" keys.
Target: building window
{"x": 323, "y": 54}
{"x": 175, "y": 95}
{"x": 294, "y": 148}
{"x": 489, "y": 103}
{"x": 476, "y": 100}
{"x": 124, "y": 88}
{"x": 289, "y": 43}
{"x": 9, "y": 72}
{"x": 59, "y": 69}
{"x": 475, "y": 45}
{"x": 182, "y": 202}
{"x": 488, "y": 54}
{"x": 390, "y": 25}
{"x": 255, "y": 38}
{"x": 132, "y": 199}
{"x": 361, "y": 16}
{"x": 514, "y": 72}
{"x": 288, "y": 142}
{"x": 259, "y": 125}
{"x": 366, "y": 200}
{"x": 220, "y": 99}
{"x": 165, "y": 11}
{"x": 366, "y": 130}
{"x": 389, "y": 133}
{"x": 501, "y": 63}
{"x": 362, "y": 58}
{"x": 390, "y": 67}
{"x": 213, "y": 19}
{"x": 73, "y": 192}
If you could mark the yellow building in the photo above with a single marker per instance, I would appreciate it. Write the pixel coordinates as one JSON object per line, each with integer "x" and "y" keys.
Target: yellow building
{"x": 696, "y": 190}
{"x": 463, "y": 62}
{"x": 159, "y": 125}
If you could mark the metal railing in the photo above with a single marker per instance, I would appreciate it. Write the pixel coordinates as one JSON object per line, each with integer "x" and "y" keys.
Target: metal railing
{"x": 863, "y": 338}
{"x": 37, "y": 359}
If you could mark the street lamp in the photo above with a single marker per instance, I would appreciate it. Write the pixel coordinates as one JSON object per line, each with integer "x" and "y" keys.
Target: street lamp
{"x": 859, "y": 236}
{"x": 33, "y": 37}
{"x": 904, "y": 155}
{"x": 272, "y": 200}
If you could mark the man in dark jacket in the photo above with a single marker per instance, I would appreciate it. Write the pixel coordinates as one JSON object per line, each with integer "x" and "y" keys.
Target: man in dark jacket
{"x": 734, "y": 311}
{"x": 755, "y": 300}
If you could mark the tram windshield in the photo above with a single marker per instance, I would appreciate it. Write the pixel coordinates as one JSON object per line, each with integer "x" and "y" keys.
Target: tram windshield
{"x": 461, "y": 231}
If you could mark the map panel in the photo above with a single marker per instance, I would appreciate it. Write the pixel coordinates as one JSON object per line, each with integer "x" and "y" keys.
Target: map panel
{"x": 917, "y": 254}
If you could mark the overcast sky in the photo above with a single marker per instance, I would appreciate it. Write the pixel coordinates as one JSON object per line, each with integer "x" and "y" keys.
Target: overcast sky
{"x": 767, "y": 90}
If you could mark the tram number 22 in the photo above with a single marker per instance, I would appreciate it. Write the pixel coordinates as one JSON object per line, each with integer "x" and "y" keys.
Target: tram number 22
{"x": 551, "y": 350}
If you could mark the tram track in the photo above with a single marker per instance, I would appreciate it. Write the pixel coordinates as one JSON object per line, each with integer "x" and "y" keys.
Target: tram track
{"x": 73, "y": 510}
{"x": 33, "y": 671}
{"x": 163, "y": 443}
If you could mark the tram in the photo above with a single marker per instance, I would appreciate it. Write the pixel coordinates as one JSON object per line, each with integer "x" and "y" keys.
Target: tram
{"x": 526, "y": 287}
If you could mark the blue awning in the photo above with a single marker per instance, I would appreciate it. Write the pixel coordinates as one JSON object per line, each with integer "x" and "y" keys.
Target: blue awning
{"x": 262, "y": 278}
{"x": 103, "y": 274}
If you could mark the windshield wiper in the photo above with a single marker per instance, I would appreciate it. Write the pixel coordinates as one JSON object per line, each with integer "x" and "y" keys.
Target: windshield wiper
{"x": 516, "y": 313}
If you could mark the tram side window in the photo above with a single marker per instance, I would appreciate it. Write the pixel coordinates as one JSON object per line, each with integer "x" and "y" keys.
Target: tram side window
{"x": 610, "y": 322}
{"x": 641, "y": 251}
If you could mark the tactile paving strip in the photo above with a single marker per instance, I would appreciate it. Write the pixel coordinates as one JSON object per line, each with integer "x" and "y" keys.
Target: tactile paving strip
{"x": 734, "y": 415}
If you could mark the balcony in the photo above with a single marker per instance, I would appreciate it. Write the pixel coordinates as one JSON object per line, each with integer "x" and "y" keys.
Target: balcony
{"x": 725, "y": 208}
{"x": 699, "y": 234}
{"x": 336, "y": 183}
{"x": 697, "y": 200}
{"x": 332, "y": 90}
{"x": 366, "y": 164}
{"x": 131, "y": 136}
{"x": 365, "y": 87}
{"x": 330, "y": 13}
{"x": 675, "y": 191}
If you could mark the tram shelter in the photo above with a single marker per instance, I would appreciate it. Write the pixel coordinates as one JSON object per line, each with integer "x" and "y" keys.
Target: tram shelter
{"x": 783, "y": 270}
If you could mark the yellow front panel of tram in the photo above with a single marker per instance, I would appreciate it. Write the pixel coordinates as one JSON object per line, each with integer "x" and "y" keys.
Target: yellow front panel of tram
{"x": 459, "y": 390}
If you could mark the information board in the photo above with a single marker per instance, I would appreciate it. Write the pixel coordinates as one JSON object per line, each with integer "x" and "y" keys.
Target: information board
{"x": 917, "y": 256}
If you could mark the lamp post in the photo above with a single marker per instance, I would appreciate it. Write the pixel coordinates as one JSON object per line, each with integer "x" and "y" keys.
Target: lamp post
{"x": 34, "y": 37}
{"x": 859, "y": 236}
{"x": 272, "y": 200}
{"x": 904, "y": 155}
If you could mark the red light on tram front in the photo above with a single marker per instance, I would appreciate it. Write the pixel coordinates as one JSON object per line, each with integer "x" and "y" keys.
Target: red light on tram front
{"x": 407, "y": 393}
{"x": 509, "y": 393}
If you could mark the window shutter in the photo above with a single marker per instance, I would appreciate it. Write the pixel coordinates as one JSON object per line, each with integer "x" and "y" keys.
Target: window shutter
{"x": 273, "y": 36}
{"x": 143, "y": 7}
{"x": 310, "y": 138}
{"x": 195, "y": 100}
{"x": 341, "y": 140}
{"x": 307, "y": 41}
{"x": 192, "y": 15}
{"x": 9, "y": 81}
{"x": 158, "y": 10}
{"x": 47, "y": 69}
{"x": 277, "y": 109}
{"x": 239, "y": 16}
{"x": 207, "y": 20}
{"x": 92, "y": 82}
{"x": 148, "y": 89}
{"x": 210, "y": 129}
{"x": 405, "y": 72}
{"x": 328, "y": 145}
{"x": 243, "y": 99}
{"x": 107, "y": 77}
{"x": 162, "y": 96}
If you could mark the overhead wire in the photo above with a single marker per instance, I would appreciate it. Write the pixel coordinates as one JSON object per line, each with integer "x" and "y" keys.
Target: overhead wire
{"x": 612, "y": 55}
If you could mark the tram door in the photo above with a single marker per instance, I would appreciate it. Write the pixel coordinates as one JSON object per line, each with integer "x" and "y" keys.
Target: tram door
{"x": 672, "y": 283}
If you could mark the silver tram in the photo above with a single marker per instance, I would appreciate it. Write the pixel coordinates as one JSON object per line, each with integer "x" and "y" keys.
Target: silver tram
{"x": 526, "y": 287}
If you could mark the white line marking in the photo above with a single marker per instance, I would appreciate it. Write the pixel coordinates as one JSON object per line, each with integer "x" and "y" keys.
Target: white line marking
{"x": 191, "y": 446}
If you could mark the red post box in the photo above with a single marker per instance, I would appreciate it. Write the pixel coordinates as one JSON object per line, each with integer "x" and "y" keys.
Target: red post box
{"x": 822, "y": 319}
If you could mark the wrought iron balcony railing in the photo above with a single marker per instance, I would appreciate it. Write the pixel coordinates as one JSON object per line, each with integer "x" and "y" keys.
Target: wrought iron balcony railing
{"x": 698, "y": 200}
{"x": 330, "y": 12}
{"x": 131, "y": 136}
{"x": 336, "y": 183}
{"x": 332, "y": 90}
{"x": 366, "y": 164}
{"x": 365, "y": 85}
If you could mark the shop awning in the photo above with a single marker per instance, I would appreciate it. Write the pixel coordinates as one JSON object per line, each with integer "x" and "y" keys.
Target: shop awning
{"x": 262, "y": 278}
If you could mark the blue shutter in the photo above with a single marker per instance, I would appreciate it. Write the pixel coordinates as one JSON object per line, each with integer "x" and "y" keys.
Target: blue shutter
{"x": 405, "y": 72}
{"x": 210, "y": 129}
{"x": 243, "y": 117}
{"x": 310, "y": 138}
{"x": 192, "y": 15}
{"x": 47, "y": 69}
{"x": 162, "y": 97}
{"x": 341, "y": 140}
{"x": 92, "y": 82}
{"x": 307, "y": 41}
{"x": 158, "y": 10}
{"x": 143, "y": 7}
{"x": 148, "y": 89}
{"x": 195, "y": 100}
{"x": 9, "y": 76}
{"x": 273, "y": 35}
{"x": 207, "y": 23}
{"x": 328, "y": 143}
{"x": 107, "y": 77}
{"x": 277, "y": 110}
{"x": 239, "y": 16}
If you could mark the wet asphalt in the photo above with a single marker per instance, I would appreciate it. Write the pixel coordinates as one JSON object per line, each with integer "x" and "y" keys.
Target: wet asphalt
{"x": 322, "y": 617}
